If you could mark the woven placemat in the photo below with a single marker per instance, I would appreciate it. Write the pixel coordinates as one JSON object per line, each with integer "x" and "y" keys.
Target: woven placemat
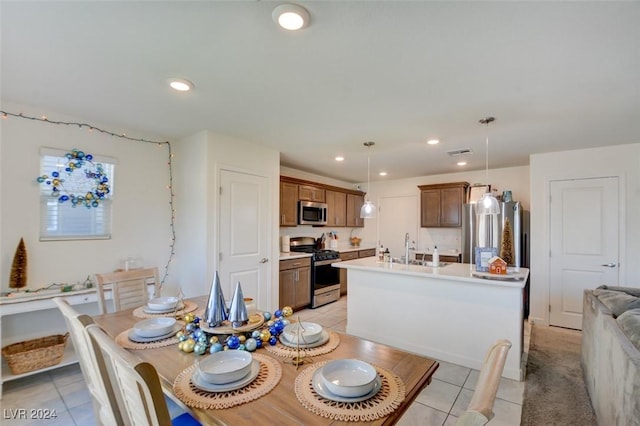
{"x": 122, "y": 339}
{"x": 289, "y": 352}
{"x": 383, "y": 403}
{"x": 268, "y": 378}
{"x": 189, "y": 306}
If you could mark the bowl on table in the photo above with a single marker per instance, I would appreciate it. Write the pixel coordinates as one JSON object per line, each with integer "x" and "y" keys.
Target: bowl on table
{"x": 162, "y": 303}
{"x": 154, "y": 327}
{"x": 225, "y": 367}
{"x": 302, "y": 332}
{"x": 349, "y": 377}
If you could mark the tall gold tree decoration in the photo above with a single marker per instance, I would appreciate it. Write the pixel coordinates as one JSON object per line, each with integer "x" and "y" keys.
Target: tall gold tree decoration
{"x": 18, "y": 277}
{"x": 506, "y": 250}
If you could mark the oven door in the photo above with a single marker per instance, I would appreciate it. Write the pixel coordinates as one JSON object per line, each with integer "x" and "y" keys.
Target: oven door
{"x": 325, "y": 275}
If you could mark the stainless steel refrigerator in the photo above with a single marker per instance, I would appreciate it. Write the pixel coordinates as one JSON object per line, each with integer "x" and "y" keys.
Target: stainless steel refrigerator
{"x": 487, "y": 231}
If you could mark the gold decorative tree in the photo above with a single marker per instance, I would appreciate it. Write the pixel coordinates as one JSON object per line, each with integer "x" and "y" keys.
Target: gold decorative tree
{"x": 18, "y": 277}
{"x": 506, "y": 250}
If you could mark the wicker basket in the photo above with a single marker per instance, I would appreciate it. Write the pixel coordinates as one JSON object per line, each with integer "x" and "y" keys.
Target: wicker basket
{"x": 35, "y": 354}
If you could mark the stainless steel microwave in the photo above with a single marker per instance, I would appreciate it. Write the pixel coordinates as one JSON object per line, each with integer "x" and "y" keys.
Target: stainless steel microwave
{"x": 310, "y": 213}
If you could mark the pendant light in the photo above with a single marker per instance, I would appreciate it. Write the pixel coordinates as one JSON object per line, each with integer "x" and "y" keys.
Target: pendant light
{"x": 488, "y": 204}
{"x": 368, "y": 210}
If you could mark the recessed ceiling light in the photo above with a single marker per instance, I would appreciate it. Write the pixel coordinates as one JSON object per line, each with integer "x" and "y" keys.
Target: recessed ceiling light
{"x": 291, "y": 16}
{"x": 383, "y": 173}
{"x": 180, "y": 84}
{"x": 339, "y": 158}
{"x": 461, "y": 163}
{"x": 433, "y": 142}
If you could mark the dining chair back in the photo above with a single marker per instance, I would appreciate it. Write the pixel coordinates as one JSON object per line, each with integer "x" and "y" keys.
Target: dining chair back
{"x": 128, "y": 288}
{"x": 94, "y": 370}
{"x": 480, "y": 409}
{"x": 139, "y": 384}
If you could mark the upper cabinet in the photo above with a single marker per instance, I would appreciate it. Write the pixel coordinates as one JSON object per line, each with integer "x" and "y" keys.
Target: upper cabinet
{"x": 354, "y": 204}
{"x": 343, "y": 205}
{"x": 311, "y": 193}
{"x": 288, "y": 204}
{"x": 441, "y": 204}
{"x": 336, "y": 208}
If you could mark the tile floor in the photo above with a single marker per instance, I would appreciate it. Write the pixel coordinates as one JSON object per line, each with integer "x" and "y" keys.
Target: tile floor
{"x": 448, "y": 395}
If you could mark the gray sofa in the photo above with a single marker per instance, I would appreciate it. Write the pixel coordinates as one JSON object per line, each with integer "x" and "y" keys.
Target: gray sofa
{"x": 611, "y": 353}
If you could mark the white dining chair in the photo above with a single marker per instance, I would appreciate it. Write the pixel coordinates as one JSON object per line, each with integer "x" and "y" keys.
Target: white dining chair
{"x": 128, "y": 288}
{"x": 93, "y": 368}
{"x": 480, "y": 409}
{"x": 138, "y": 384}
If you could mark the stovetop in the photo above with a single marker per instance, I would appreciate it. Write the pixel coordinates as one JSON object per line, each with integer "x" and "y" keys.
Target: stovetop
{"x": 318, "y": 254}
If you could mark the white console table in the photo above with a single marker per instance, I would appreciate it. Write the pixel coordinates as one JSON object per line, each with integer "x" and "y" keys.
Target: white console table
{"x": 25, "y": 317}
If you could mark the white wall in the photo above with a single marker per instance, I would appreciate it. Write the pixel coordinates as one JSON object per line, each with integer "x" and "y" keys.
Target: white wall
{"x": 622, "y": 161}
{"x": 202, "y": 156}
{"x": 141, "y": 211}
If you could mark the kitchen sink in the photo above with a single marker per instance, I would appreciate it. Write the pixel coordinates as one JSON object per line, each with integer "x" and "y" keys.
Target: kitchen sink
{"x": 419, "y": 262}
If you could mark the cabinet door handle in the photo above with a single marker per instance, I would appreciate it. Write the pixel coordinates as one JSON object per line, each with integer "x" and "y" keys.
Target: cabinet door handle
{"x": 264, "y": 260}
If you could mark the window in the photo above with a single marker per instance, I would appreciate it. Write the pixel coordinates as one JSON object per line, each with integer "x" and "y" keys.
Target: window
{"x": 62, "y": 220}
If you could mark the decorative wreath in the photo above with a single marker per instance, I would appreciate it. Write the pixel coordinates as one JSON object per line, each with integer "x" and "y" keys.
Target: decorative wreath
{"x": 78, "y": 160}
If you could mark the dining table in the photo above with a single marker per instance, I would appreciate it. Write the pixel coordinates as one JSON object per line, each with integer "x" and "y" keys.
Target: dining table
{"x": 281, "y": 405}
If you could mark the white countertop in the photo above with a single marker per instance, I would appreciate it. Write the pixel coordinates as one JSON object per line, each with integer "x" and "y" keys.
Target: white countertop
{"x": 293, "y": 255}
{"x": 453, "y": 271}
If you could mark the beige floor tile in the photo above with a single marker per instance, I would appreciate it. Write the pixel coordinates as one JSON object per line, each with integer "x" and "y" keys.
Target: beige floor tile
{"x": 65, "y": 375}
{"x": 451, "y": 420}
{"x": 74, "y": 394}
{"x": 451, "y": 373}
{"x": 421, "y": 415}
{"x": 509, "y": 390}
{"x": 506, "y": 413}
{"x": 439, "y": 395}
{"x": 83, "y": 414}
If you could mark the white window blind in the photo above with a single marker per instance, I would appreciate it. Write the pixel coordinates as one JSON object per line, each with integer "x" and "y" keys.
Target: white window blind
{"x": 63, "y": 221}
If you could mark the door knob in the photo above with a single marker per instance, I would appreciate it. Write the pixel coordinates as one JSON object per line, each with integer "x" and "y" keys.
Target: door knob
{"x": 609, "y": 265}
{"x": 264, "y": 260}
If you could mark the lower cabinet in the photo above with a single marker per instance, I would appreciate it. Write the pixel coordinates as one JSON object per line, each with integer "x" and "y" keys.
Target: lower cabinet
{"x": 442, "y": 257}
{"x": 295, "y": 283}
{"x": 350, "y": 255}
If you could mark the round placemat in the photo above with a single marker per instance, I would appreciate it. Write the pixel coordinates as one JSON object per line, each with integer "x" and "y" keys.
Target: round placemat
{"x": 383, "y": 403}
{"x": 189, "y": 306}
{"x": 289, "y": 352}
{"x": 123, "y": 340}
{"x": 268, "y": 377}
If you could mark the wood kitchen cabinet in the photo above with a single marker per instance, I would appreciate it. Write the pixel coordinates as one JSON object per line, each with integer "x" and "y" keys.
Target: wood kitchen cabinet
{"x": 311, "y": 193}
{"x": 441, "y": 204}
{"x": 288, "y": 204}
{"x": 354, "y": 204}
{"x": 443, "y": 258}
{"x": 336, "y": 208}
{"x": 350, "y": 255}
{"x": 295, "y": 282}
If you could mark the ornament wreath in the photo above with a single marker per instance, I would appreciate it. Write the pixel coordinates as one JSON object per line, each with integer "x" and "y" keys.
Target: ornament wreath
{"x": 78, "y": 160}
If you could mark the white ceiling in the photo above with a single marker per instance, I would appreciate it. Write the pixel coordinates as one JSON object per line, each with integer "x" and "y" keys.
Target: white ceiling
{"x": 556, "y": 75}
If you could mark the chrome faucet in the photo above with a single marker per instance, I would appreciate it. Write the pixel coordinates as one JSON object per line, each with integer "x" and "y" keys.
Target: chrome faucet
{"x": 406, "y": 248}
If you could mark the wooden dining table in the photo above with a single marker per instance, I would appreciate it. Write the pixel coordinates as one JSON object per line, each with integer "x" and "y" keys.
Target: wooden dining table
{"x": 280, "y": 406}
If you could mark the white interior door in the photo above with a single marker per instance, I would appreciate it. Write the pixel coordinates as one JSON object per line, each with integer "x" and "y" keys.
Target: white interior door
{"x": 396, "y": 217}
{"x": 243, "y": 235}
{"x": 583, "y": 244}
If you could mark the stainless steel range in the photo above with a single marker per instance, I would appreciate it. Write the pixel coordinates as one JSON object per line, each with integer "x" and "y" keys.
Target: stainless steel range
{"x": 325, "y": 279}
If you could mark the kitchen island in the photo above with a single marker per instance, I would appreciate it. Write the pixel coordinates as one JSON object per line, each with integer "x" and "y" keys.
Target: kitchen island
{"x": 450, "y": 313}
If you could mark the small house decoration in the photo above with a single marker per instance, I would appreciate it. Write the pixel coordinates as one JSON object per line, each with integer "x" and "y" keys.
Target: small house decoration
{"x": 18, "y": 278}
{"x": 497, "y": 266}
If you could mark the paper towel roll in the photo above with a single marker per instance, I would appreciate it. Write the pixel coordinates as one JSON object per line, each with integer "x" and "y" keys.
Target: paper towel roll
{"x": 284, "y": 244}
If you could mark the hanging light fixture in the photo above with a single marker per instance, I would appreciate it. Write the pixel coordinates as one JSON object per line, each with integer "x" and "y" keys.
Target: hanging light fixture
{"x": 368, "y": 210}
{"x": 488, "y": 204}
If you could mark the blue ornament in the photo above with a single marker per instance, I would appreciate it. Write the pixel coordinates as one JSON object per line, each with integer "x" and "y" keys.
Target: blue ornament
{"x": 197, "y": 333}
{"x": 190, "y": 327}
{"x": 242, "y": 347}
{"x": 233, "y": 342}
{"x": 196, "y": 320}
{"x": 255, "y": 334}
{"x": 273, "y": 330}
{"x": 278, "y": 313}
{"x": 285, "y": 322}
{"x": 251, "y": 344}
{"x": 89, "y": 157}
{"x": 94, "y": 204}
{"x": 279, "y": 326}
{"x": 199, "y": 348}
{"x": 183, "y": 338}
{"x": 267, "y": 316}
{"x": 258, "y": 343}
{"x": 216, "y": 347}
{"x": 80, "y": 154}
{"x": 40, "y": 179}
{"x": 273, "y": 340}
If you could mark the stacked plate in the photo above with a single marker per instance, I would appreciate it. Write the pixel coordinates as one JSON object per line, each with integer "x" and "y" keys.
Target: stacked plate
{"x": 153, "y": 329}
{"x": 346, "y": 380}
{"x": 225, "y": 371}
{"x": 304, "y": 335}
{"x": 163, "y": 305}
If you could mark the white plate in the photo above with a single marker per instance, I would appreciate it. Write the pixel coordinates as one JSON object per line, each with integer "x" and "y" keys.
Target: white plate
{"x": 202, "y": 384}
{"x": 318, "y": 386}
{"x": 138, "y": 339}
{"x": 305, "y": 332}
{"x": 148, "y": 310}
{"x": 509, "y": 276}
{"x": 323, "y": 339}
{"x": 163, "y": 303}
{"x": 154, "y": 327}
